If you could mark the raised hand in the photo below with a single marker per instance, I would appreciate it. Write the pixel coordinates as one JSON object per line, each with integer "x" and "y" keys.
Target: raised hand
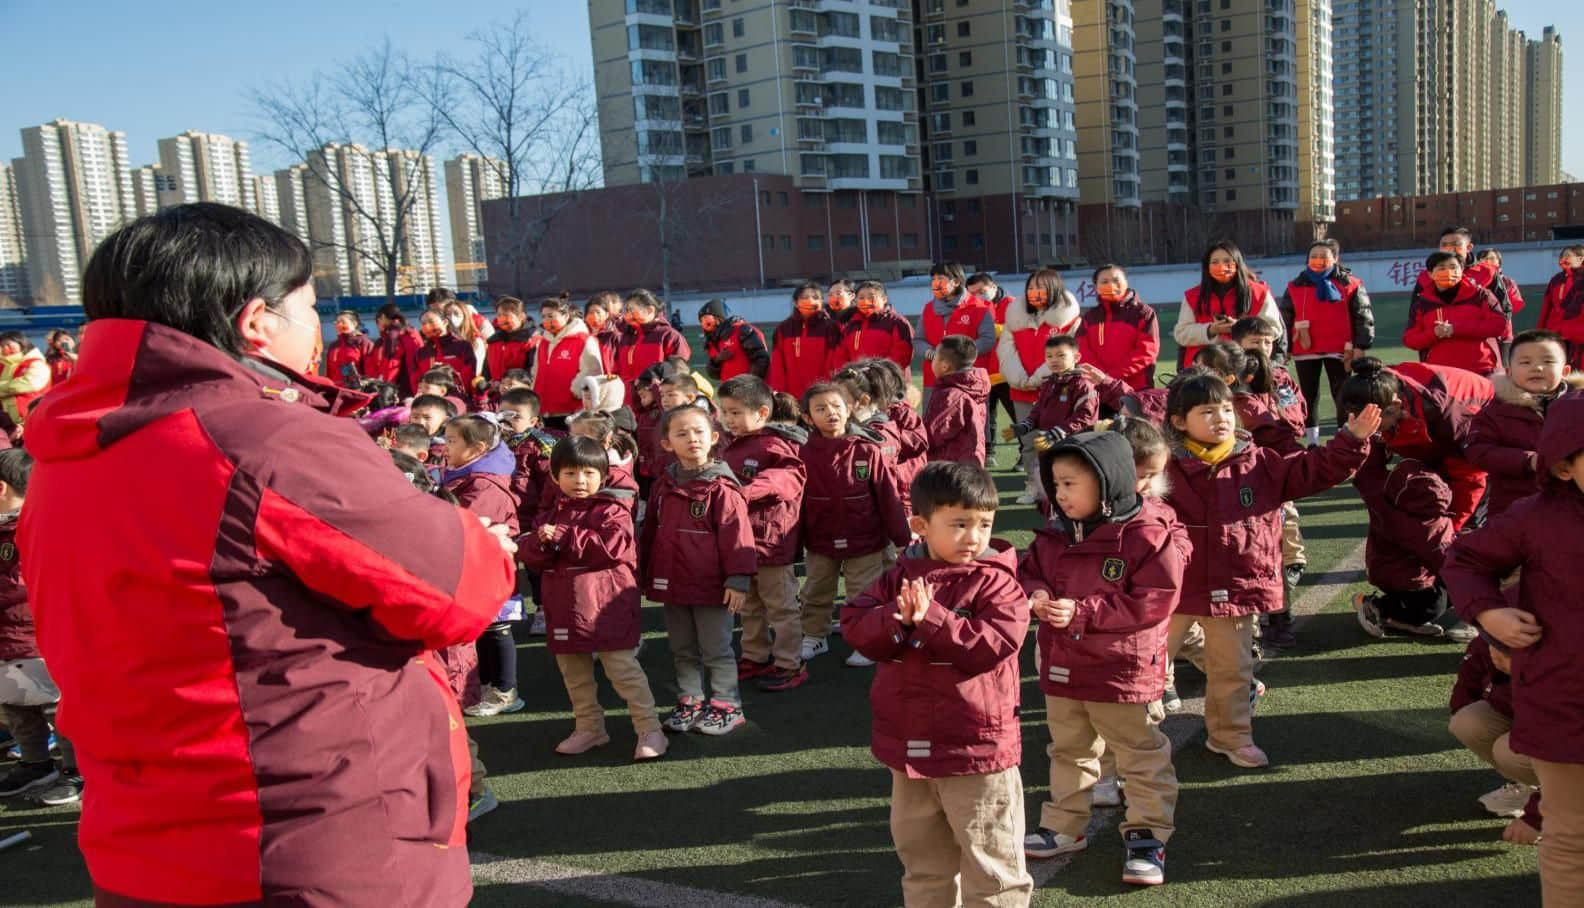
{"x": 1365, "y": 422}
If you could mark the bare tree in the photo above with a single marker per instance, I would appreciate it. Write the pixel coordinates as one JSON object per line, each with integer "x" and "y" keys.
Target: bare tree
{"x": 344, "y": 126}
{"x": 513, "y": 104}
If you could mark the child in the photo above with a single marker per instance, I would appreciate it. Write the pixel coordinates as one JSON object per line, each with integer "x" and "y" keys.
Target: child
{"x": 954, "y": 414}
{"x": 1329, "y": 321}
{"x": 903, "y": 421}
{"x": 851, "y": 509}
{"x": 442, "y": 347}
{"x": 478, "y": 473}
{"x": 1503, "y": 435}
{"x": 841, "y": 298}
{"x": 1284, "y": 396}
{"x": 647, "y": 338}
{"x": 1047, "y": 310}
{"x": 802, "y": 346}
{"x": 1482, "y": 719}
{"x": 700, "y": 563}
{"x": 27, "y": 692}
{"x": 441, "y": 382}
{"x": 587, "y": 559}
{"x": 413, "y": 440}
{"x": 785, "y": 410}
{"x": 1544, "y": 535}
{"x": 1454, "y": 322}
{"x": 432, "y": 412}
{"x": 620, "y": 451}
{"x": 516, "y": 378}
{"x": 1228, "y": 493}
{"x": 1067, "y": 405}
{"x": 1562, "y": 311}
{"x": 531, "y": 445}
{"x": 1120, "y": 335}
{"x": 1116, "y": 396}
{"x": 646, "y": 412}
{"x": 876, "y": 330}
{"x": 681, "y": 366}
{"x": 945, "y": 626}
{"x": 1103, "y": 581}
{"x": 1227, "y": 291}
{"x": 765, "y": 458}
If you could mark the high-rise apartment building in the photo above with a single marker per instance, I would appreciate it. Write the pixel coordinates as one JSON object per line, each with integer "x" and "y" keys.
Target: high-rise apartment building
{"x": 1366, "y": 57}
{"x": 1316, "y": 120}
{"x": 146, "y": 181}
{"x": 207, "y": 167}
{"x": 74, "y": 187}
{"x": 13, "y": 252}
{"x": 350, "y": 197}
{"x": 291, "y": 194}
{"x": 264, "y": 193}
{"x": 470, "y": 181}
{"x": 1543, "y": 91}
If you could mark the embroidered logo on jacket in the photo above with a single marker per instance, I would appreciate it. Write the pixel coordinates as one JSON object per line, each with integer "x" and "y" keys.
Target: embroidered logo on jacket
{"x": 861, "y": 470}
{"x": 1246, "y": 496}
{"x": 697, "y": 510}
{"x": 750, "y": 468}
{"x": 1112, "y": 569}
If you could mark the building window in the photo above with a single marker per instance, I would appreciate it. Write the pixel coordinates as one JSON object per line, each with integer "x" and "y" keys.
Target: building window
{"x": 742, "y": 63}
{"x": 848, "y": 241}
{"x": 816, "y": 242}
{"x": 712, "y": 35}
{"x": 746, "y": 133}
{"x": 971, "y": 177}
{"x": 879, "y": 241}
{"x": 910, "y": 241}
{"x": 742, "y": 99}
{"x": 748, "y": 166}
{"x": 965, "y": 59}
{"x": 786, "y": 242}
{"x": 1226, "y": 24}
{"x": 969, "y": 119}
{"x": 940, "y": 93}
{"x": 846, "y": 200}
{"x": 1226, "y": 89}
{"x": 1231, "y": 195}
{"x": 737, "y": 27}
{"x": 724, "y": 170}
{"x": 719, "y": 103}
{"x": 1229, "y": 132}
{"x": 967, "y": 89}
{"x": 1226, "y": 69}
{"x": 963, "y": 29}
{"x": 970, "y": 148}
{"x": 1226, "y": 47}
{"x": 975, "y": 241}
{"x": 813, "y": 200}
{"x": 910, "y": 202}
{"x": 768, "y": 240}
{"x": 949, "y": 243}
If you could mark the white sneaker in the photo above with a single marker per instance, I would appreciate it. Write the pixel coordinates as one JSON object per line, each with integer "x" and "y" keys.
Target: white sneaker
{"x": 1107, "y": 793}
{"x": 1043, "y": 843}
{"x": 487, "y": 694}
{"x": 813, "y": 646}
{"x": 1508, "y": 800}
{"x": 494, "y": 702}
{"x": 537, "y": 628}
{"x": 1027, "y": 497}
{"x": 859, "y": 660}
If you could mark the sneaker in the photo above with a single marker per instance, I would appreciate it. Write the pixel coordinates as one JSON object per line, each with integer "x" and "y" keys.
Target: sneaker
{"x": 481, "y": 803}
{"x": 1277, "y": 633}
{"x": 581, "y": 742}
{"x": 1043, "y": 843}
{"x": 1027, "y": 498}
{"x": 1106, "y": 793}
{"x": 1460, "y": 633}
{"x": 15, "y": 752}
{"x": 685, "y": 715}
{"x": 779, "y": 679}
{"x": 1146, "y": 859}
{"x": 651, "y": 746}
{"x": 1248, "y": 756}
{"x": 748, "y": 668}
{"x": 1170, "y": 701}
{"x": 814, "y": 646}
{"x": 494, "y": 702}
{"x": 1293, "y": 573}
{"x": 856, "y": 659}
{"x": 25, "y": 777}
{"x": 66, "y": 790}
{"x": 1508, "y": 800}
{"x": 720, "y": 719}
{"x": 1369, "y": 616}
{"x": 537, "y": 626}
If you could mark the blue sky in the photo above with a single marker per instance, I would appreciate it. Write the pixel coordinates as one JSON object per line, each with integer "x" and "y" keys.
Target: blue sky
{"x": 153, "y": 70}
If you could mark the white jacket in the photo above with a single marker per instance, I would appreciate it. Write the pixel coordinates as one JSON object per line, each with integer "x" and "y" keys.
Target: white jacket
{"x": 1063, "y": 319}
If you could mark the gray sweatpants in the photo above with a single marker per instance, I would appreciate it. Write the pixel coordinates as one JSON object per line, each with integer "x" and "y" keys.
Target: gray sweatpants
{"x": 701, "y": 637}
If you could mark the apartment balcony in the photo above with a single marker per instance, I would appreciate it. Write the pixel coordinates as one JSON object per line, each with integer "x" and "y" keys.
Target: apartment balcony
{"x": 691, "y": 89}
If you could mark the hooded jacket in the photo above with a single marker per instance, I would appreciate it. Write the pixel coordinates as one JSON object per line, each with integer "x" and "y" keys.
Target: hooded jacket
{"x": 1503, "y": 436}
{"x": 393, "y": 358}
{"x": 559, "y": 360}
{"x": 643, "y": 346}
{"x": 531, "y": 473}
{"x": 484, "y": 486}
{"x": 1333, "y": 326}
{"x": 945, "y": 691}
{"x": 1020, "y": 351}
{"x": 735, "y": 347}
{"x": 1264, "y": 424}
{"x": 1124, "y": 570}
{"x": 588, "y": 574}
{"x": 1439, "y": 404}
{"x": 1067, "y": 403}
{"x": 963, "y": 314}
{"x": 1144, "y": 403}
{"x": 883, "y": 334}
{"x": 1121, "y": 339}
{"x": 1477, "y": 324}
{"x": 769, "y": 465}
{"x": 1562, "y": 311}
{"x": 955, "y": 416}
{"x": 1478, "y": 679}
{"x": 851, "y": 504}
{"x": 276, "y": 585}
{"x": 801, "y": 351}
{"x": 697, "y": 539}
{"x": 1410, "y": 523}
{"x": 18, "y": 640}
{"x": 448, "y": 350}
{"x": 508, "y": 350}
{"x": 1543, "y": 534}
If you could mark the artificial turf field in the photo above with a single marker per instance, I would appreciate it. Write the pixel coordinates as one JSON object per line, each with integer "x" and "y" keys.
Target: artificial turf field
{"x": 1369, "y": 801}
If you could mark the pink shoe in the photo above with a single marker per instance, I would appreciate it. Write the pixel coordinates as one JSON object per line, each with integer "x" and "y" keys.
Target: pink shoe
{"x": 582, "y": 742}
{"x": 651, "y": 746}
{"x": 1248, "y": 756}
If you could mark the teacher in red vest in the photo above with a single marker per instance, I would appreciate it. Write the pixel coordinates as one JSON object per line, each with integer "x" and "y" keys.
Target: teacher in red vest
{"x": 953, "y": 310}
{"x": 564, "y": 351}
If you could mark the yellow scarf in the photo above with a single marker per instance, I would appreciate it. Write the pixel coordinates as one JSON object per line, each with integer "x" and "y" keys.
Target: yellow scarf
{"x": 1210, "y": 455}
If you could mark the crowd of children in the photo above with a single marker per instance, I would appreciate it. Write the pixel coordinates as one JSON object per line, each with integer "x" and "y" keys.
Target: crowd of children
{"x": 1171, "y": 527}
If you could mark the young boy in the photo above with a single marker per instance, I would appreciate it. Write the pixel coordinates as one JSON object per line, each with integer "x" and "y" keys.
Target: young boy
{"x": 1482, "y": 719}
{"x": 1067, "y": 403}
{"x": 699, "y": 561}
{"x": 1410, "y": 527}
{"x": 766, "y": 460}
{"x": 413, "y": 440}
{"x": 955, "y": 413}
{"x": 531, "y": 444}
{"x": 26, "y": 688}
{"x": 1103, "y": 581}
{"x": 1503, "y": 435}
{"x": 944, "y": 626}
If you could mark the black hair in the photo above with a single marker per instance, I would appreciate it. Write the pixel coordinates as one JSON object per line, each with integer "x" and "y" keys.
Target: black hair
{"x": 748, "y": 390}
{"x": 609, "y": 431}
{"x": 1061, "y": 340}
{"x": 1240, "y": 280}
{"x": 476, "y": 430}
{"x": 391, "y": 313}
{"x": 825, "y": 387}
{"x": 442, "y": 376}
{"x": 18, "y": 338}
{"x": 804, "y": 287}
{"x": 357, "y": 320}
{"x": 957, "y": 350}
{"x": 426, "y": 401}
{"x": 948, "y": 483}
{"x": 1539, "y": 336}
{"x": 1328, "y": 243}
{"x": 1146, "y": 439}
{"x": 439, "y": 296}
{"x": 1486, "y": 253}
{"x": 683, "y": 383}
{"x": 411, "y": 435}
{"x": 1049, "y": 280}
{"x": 1456, "y": 230}
{"x": 645, "y": 299}
{"x": 871, "y": 286}
{"x": 980, "y": 277}
{"x": 951, "y": 270}
{"x": 384, "y": 394}
{"x": 577, "y": 451}
{"x": 520, "y": 376}
{"x": 194, "y": 268}
{"x": 1438, "y": 258}
{"x": 1195, "y": 388}
{"x": 1370, "y": 383}
{"x": 785, "y": 409}
{"x": 842, "y": 283}
{"x": 413, "y": 469}
{"x": 561, "y": 304}
{"x": 1254, "y": 326}
{"x": 1107, "y": 267}
{"x": 890, "y": 385}
{"x": 1256, "y": 374}
{"x": 1577, "y": 250}
{"x": 521, "y": 400}
{"x": 1222, "y": 358}
{"x": 671, "y": 415}
{"x": 657, "y": 374}
{"x": 680, "y": 364}
{"x": 859, "y": 382}
{"x": 16, "y": 465}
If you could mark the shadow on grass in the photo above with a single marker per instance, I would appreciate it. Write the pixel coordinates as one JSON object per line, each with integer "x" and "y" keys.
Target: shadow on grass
{"x": 1517, "y": 889}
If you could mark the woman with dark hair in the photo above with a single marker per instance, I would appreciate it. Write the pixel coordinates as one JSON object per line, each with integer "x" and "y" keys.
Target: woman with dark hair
{"x": 441, "y": 347}
{"x": 802, "y": 346}
{"x": 345, "y": 357}
{"x": 24, "y": 376}
{"x": 256, "y": 716}
{"x": 393, "y": 358}
{"x": 648, "y": 338}
{"x": 61, "y": 354}
{"x": 1227, "y": 291}
{"x": 1329, "y": 321}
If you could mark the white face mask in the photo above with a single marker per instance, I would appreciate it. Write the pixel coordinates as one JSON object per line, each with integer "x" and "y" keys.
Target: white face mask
{"x": 456, "y": 321}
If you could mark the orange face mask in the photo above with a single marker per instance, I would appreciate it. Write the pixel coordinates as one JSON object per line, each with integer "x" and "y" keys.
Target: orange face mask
{"x": 1037, "y": 298}
{"x": 807, "y": 307}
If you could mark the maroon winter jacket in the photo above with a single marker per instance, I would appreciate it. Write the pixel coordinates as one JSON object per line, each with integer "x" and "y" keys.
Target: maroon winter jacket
{"x": 1264, "y": 425}
{"x": 851, "y": 505}
{"x": 484, "y": 487}
{"x": 270, "y": 591}
{"x": 945, "y": 692}
{"x": 769, "y": 465}
{"x": 912, "y": 441}
{"x": 620, "y": 479}
{"x": 1478, "y": 679}
{"x": 644, "y": 346}
{"x": 697, "y": 541}
{"x": 1502, "y": 439}
{"x": 1543, "y": 534}
{"x": 1126, "y": 578}
{"x": 1233, "y": 514}
{"x": 532, "y": 474}
{"x": 1067, "y": 402}
{"x": 1145, "y": 403}
{"x": 588, "y": 574}
{"x": 17, "y": 639}
{"x": 1410, "y": 521}
{"x": 955, "y": 416}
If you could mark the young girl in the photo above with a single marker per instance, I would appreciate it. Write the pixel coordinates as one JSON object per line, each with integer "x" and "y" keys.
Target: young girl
{"x": 478, "y": 472}
{"x": 902, "y": 423}
{"x": 648, "y": 339}
{"x": 1544, "y": 535}
{"x": 852, "y": 509}
{"x": 394, "y": 357}
{"x": 1329, "y": 321}
{"x": 441, "y": 347}
{"x": 1563, "y": 309}
{"x": 875, "y": 330}
{"x": 802, "y": 346}
{"x": 1227, "y": 291}
{"x": 460, "y": 319}
{"x": 344, "y": 357}
{"x": 699, "y": 561}
{"x": 587, "y": 558}
{"x": 621, "y": 452}
{"x": 1120, "y": 335}
{"x": 1228, "y": 492}
{"x": 1455, "y": 322}
{"x": 1503, "y": 435}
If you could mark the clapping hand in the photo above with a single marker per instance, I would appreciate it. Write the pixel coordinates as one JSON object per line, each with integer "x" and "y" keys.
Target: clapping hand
{"x": 547, "y": 533}
{"x": 1092, "y": 373}
{"x": 1365, "y": 423}
{"x": 913, "y": 601}
{"x": 1055, "y": 612}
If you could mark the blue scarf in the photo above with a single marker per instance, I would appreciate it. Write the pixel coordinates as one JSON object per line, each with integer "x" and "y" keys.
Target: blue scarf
{"x": 1324, "y": 289}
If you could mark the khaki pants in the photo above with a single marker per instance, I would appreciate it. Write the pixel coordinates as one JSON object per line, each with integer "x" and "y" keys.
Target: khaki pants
{"x": 625, "y": 674}
{"x": 1229, "y": 670}
{"x": 1562, "y": 846}
{"x": 1292, "y": 537}
{"x": 961, "y": 833}
{"x": 819, "y": 587}
{"x": 772, "y": 606}
{"x": 477, "y": 786}
{"x": 1483, "y": 731}
{"x": 1080, "y": 731}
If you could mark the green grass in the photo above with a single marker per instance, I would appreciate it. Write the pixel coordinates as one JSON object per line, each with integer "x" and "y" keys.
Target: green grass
{"x": 1370, "y": 801}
